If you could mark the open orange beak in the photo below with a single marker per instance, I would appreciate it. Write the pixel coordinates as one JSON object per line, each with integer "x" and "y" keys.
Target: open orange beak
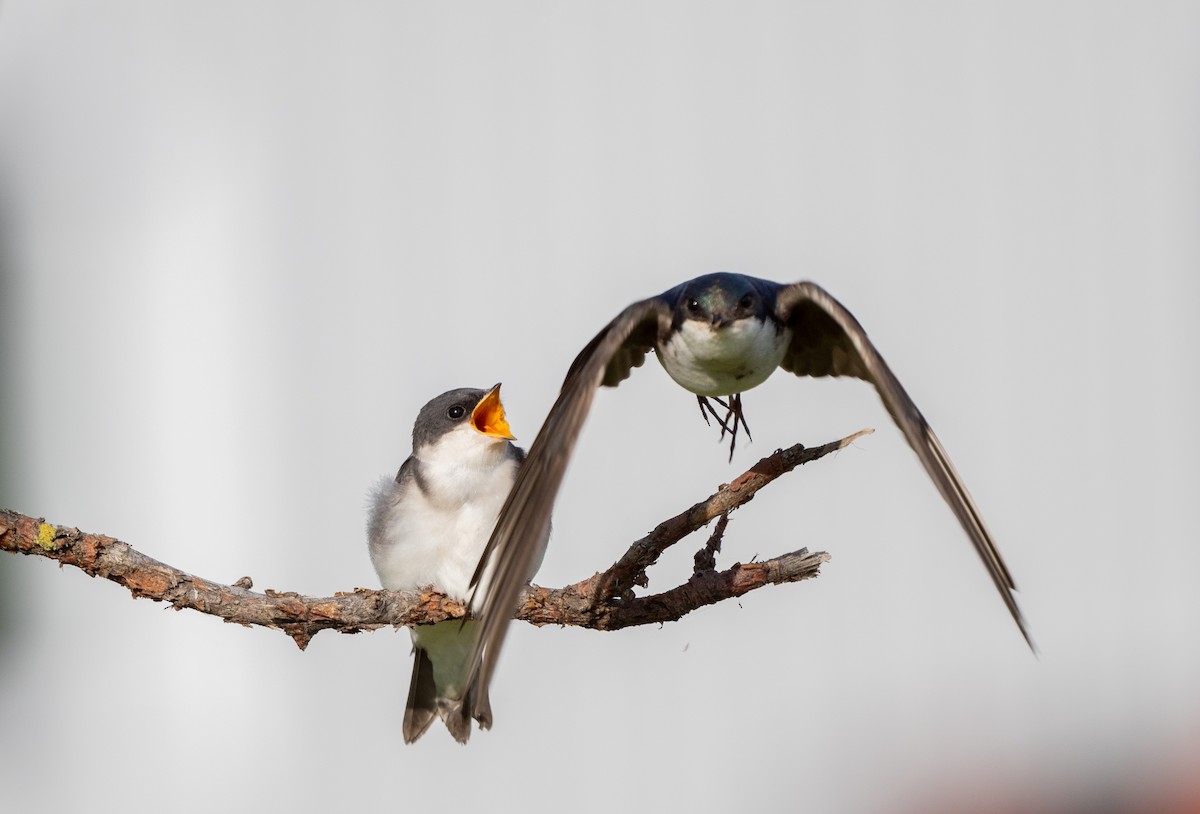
{"x": 488, "y": 416}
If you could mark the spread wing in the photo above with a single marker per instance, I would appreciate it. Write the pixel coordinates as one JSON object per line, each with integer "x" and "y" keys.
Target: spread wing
{"x": 828, "y": 341}
{"x": 525, "y": 518}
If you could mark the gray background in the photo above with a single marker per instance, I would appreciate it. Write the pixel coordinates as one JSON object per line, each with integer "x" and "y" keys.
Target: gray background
{"x": 244, "y": 243}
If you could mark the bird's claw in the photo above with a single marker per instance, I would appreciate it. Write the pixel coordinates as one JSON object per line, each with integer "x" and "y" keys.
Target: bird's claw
{"x": 733, "y": 413}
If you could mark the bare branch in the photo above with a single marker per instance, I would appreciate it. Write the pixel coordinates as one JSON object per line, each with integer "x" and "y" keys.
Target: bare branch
{"x": 605, "y": 601}
{"x": 630, "y": 569}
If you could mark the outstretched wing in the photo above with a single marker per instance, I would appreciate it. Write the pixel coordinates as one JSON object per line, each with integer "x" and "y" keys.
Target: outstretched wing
{"x": 828, "y": 341}
{"x": 524, "y": 520}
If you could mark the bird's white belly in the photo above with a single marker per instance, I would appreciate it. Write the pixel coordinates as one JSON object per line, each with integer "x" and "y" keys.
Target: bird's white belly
{"x": 429, "y": 546}
{"x": 722, "y": 361}
{"x": 437, "y": 538}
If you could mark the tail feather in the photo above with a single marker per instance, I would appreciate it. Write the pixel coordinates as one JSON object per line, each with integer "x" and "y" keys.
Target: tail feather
{"x": 457, "y": 714}
{"x": 422, "y": 697}
{"x": 454, "y": 714}
{"x": 439, "y": 655}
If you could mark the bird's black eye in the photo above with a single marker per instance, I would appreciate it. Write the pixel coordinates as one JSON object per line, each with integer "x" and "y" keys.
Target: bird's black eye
{"x": 693, "y": 304}
{"x": 456, "y": 412}
{"x": 746, "y": 301}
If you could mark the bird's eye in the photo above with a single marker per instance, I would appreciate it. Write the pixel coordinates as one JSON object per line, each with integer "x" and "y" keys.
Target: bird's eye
{"x": 746, "y": 301}
{"x": 693, "y": 304}
{"x": 456, "y": 412}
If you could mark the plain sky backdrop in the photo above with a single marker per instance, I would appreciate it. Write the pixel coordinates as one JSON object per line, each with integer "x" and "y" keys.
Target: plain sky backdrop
{"x": 243, "y": 243}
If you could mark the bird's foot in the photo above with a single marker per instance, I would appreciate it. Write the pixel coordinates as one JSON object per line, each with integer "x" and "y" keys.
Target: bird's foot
{"x": 730, "y": 421}
{"x": 706, "y": 410}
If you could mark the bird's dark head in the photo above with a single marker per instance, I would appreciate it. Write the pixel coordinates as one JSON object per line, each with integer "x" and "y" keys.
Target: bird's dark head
{"x": 718, "y": 299}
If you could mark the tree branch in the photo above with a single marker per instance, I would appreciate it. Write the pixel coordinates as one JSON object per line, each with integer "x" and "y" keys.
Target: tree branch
{"x": 605, "y": 601}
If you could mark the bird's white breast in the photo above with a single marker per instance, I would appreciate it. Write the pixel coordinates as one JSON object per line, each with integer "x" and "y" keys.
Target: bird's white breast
{"x": 433, "y": 531}
{"x": 711, "y": 361}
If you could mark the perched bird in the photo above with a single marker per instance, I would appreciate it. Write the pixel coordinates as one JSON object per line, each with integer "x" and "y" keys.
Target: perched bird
{"x": 717, "y": 335}
{"x": 428, "y": 528}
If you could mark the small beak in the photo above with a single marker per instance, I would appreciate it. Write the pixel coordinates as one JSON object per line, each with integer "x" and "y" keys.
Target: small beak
{"x": 488, "y": 416}
{"x": 720, "y": 320}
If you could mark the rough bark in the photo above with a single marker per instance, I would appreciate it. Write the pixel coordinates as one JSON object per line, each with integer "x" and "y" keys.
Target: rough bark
{"x": 604, "y": 601}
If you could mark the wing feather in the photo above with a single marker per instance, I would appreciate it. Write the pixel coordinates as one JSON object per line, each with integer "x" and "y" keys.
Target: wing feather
{"x": 828, "y": 341}
{"x": 525, "y": 518}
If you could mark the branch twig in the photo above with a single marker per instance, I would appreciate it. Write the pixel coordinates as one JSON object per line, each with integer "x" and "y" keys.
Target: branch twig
{"x": 604, "y": 601}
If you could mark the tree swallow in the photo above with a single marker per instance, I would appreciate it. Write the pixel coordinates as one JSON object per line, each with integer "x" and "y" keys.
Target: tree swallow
{"x": 428, "y": 528}
{"x": 717, "y": 335}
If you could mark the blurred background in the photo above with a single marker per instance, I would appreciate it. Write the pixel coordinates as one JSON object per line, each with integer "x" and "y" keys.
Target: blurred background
{"x": 242, "y": 244}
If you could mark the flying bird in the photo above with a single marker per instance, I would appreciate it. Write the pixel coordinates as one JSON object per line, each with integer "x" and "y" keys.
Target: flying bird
{"x": 717, "y": 336}
{"x": 429, "y": 526}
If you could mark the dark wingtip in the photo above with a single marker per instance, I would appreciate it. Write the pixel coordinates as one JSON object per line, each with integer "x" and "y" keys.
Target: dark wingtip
{"x": 1019, "y": 618}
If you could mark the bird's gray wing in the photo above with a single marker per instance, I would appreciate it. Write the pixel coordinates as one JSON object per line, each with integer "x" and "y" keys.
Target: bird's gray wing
{"x": 828, "y": 341}
{"x": 524, "y": 520}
